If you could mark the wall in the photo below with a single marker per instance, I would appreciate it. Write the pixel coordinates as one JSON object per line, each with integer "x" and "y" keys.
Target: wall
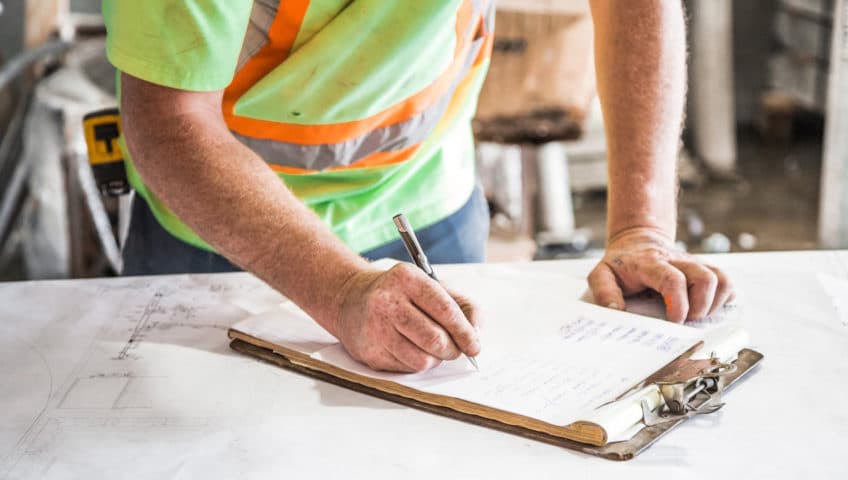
{"x": 753, "y": 23}
{"x": 11, "y": 28}
{"x": 11, "y": 23}
{"x": 85, "y": 6}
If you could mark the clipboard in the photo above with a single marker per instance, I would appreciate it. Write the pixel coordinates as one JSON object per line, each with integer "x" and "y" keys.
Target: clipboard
{"x": 677, "y": 378}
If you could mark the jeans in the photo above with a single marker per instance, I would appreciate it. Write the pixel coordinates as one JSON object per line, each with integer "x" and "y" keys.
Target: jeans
{"x": 151, "y": 250}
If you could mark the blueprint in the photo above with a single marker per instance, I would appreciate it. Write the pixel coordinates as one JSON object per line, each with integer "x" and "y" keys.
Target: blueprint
{"x": 114, "y": 357}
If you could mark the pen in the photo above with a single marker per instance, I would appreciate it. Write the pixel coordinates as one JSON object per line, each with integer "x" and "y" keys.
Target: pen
{"x": 407, "y": 234}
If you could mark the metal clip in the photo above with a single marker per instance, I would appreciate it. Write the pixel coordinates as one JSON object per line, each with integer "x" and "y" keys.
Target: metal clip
{"x": 691, "y": 387}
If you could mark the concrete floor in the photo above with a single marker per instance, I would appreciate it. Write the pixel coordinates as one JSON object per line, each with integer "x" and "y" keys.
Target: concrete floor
{"x": 774, "y": 200}
{"x": 777, "y": 198}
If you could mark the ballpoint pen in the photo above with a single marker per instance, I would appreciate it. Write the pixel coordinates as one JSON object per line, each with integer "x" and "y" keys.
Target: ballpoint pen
{"x": 407, "y": 234}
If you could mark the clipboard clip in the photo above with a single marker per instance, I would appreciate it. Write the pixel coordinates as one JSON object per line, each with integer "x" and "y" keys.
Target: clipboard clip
{"x": 688, "y": 387}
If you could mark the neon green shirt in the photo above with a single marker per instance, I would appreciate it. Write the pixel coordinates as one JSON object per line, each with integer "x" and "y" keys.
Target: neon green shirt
{"x": 349, "y": 60}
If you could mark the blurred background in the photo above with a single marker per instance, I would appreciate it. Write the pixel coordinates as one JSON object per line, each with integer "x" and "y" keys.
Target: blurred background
{"x": 763, "y": 164}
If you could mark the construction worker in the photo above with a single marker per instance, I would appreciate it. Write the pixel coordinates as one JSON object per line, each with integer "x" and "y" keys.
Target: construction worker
{"x": 280, "y": 136}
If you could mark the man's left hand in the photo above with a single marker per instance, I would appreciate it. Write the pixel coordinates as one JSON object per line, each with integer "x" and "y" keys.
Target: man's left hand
{"x": 644, "y": 258}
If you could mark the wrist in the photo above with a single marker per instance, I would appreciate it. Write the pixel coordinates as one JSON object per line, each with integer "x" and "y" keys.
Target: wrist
{"x": 320, "y": 289}
{"x": 347, "y": 286}
{"x": 646, "y": 230}
{"x": 642, "y": 202}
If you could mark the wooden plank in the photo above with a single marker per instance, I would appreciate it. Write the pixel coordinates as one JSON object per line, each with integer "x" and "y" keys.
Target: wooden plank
{"x": 540, "y": 62}
{"x": 833, "y": 206}
{"x": 541, "y": 78}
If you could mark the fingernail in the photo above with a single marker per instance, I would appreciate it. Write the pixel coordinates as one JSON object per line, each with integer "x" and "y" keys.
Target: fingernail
{"x": 614, "y": 306}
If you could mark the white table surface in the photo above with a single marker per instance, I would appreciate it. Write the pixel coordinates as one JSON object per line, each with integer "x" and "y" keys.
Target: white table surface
{"x": 78, "y": 399}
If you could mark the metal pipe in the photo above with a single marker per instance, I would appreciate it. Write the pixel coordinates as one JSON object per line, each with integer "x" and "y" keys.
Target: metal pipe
{"x": 17, "y": 64}
{"x": 9, "y": 72}
{"x": 91, "y": 196}
{"x": 11, "y": 199}
{"x": 13, "y": 130}
{"x": 12, "y": 191}
{"x": 713, "y": 110}
{"x": 557, "y": 210}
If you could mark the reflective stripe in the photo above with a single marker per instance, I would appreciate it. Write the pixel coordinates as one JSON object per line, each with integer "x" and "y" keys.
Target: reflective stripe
{"x": 488, "y": 24}
{"x": 384, "y": 144}
{"x": 321, "y": 157}
{"x": 398, "y": 156}
{"x": 400, "y": 136}
{"x": 461, "y": 93}
{"x": 374, "y": 160}
{"x": 281, "y": 37}
{"x": 341, "y": 132}
{"x": 259, "y": 24}
{"x": 487, "y": 7}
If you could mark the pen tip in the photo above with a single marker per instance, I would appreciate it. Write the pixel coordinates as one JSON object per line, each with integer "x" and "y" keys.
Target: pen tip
{"x": 473, "y": 362}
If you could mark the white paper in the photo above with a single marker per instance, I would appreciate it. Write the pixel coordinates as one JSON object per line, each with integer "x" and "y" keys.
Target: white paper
{"x": 651, "y": 304}
{"x": 544, "y": 356}
{"x": 288, "y": 326}
{"x": 837, "y": 290}
{"x": 101, "y": 374}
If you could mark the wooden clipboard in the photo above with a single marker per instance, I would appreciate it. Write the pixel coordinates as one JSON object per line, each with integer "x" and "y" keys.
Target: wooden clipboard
{"x": 620, "y": 451}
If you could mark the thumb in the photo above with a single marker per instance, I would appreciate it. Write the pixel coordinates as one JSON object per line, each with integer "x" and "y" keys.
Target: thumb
{"x": 605, "y": 289}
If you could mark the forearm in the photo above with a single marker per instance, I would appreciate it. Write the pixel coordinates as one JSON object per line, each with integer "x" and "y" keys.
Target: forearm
{"x": 640, "y": 59}
{"x": 236, "y": 203}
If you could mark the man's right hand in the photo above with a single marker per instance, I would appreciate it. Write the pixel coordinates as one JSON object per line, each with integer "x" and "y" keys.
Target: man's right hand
{"x": 398, "y": 320}
{"x": 402, "y": 320}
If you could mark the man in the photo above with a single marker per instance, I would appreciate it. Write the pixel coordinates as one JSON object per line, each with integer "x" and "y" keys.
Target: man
{"x": 362, "y": 109}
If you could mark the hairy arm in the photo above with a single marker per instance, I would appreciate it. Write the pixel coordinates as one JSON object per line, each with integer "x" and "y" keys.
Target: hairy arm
{"x": 641, "y": 70}
{"x": 231, "y": 198}
{"x": 640, "y": 48}
{"x": 182, "y": 148}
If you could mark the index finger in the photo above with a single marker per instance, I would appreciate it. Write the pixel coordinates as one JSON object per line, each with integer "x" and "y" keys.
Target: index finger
{"x": 432, "y": 299}
{"x": 672, "y": 285}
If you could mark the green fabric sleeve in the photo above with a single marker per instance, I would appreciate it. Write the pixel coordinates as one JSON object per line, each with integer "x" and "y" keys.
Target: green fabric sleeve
{"x": 186, "y": 44}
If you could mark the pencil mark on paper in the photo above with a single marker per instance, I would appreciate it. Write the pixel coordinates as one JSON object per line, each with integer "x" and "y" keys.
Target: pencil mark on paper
{"x": 149, "y": 309}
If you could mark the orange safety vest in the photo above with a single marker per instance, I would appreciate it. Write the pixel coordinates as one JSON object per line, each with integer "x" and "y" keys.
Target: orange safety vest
{"x": 388, "y": 137}
{"x": 359, "y": 137}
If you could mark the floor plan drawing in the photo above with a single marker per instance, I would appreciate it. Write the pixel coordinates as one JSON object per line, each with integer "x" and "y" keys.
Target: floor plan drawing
{"x": 117, "y": 367}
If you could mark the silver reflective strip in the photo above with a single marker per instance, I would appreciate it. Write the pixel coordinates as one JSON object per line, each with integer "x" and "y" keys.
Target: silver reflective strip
{"x": 387, "y": 139}
{"x": 487, "y": 11}
{"x": 320, "y": 157}
{"x": 391, "y": 138}
{"x": 489, "y": 16}
{"x": 261, "y": 18}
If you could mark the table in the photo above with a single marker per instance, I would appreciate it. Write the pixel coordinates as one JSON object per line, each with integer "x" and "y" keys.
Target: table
{"x": 133, "y": 377}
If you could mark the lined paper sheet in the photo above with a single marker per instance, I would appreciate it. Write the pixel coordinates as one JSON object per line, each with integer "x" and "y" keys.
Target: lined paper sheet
{"x": 577, "y": 357}
{"x": 544, "y": 356}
